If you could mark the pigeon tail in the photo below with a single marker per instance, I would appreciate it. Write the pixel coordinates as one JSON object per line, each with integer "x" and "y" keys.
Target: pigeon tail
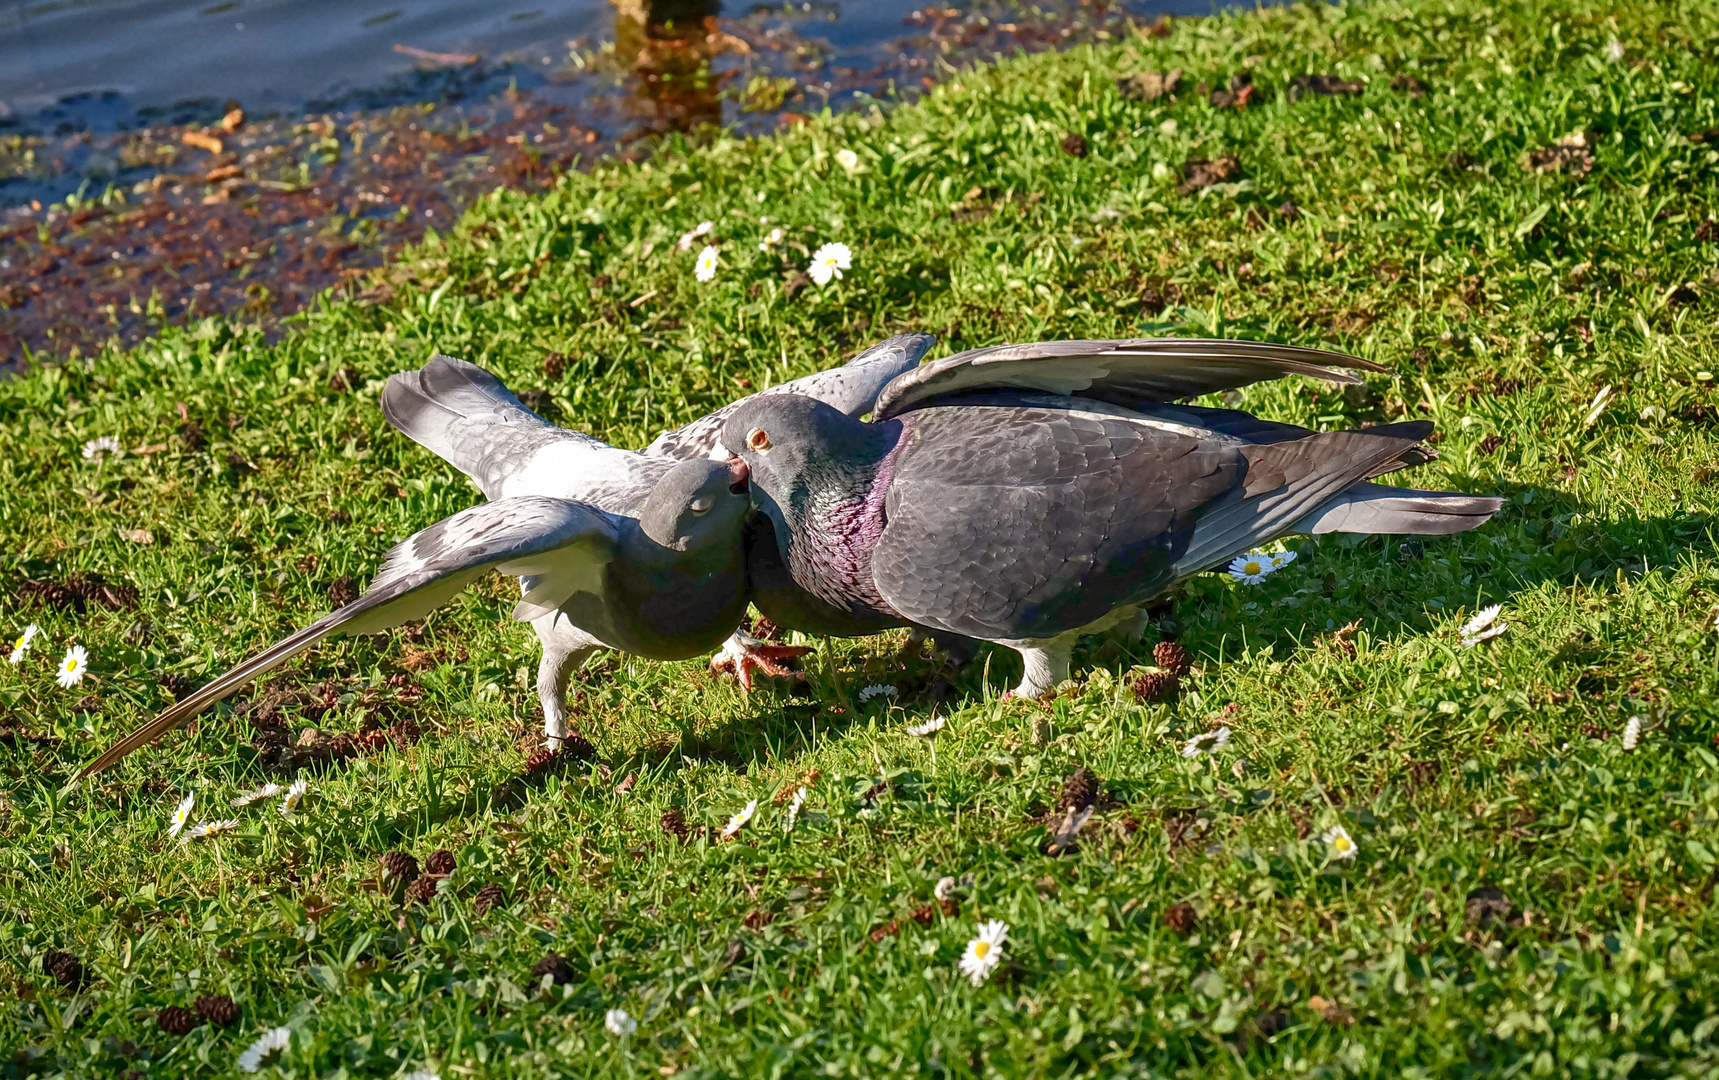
{"x": 1376, "y": 508}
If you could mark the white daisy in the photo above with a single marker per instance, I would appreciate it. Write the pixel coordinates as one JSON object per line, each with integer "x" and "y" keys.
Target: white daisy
{"x": 182, "y": 815}
{"x": 847, "y": 159}
{"x": 106, "y": 446}
{"x": 294, "y": 796}
{"x": 772, "y": 240}
{"x": 1632, "y": 733}
{"x": 72, "y": 668}
{"x": 1479, "y": 628}
{"x": 794, "y": 805}
{"x": 705, "y": 268}
{"x": 829, "y": 261}
{"x": 1614, "y": 50}
{"x": 209, "y": 828}
{"x": 22, "y": 644}
{"x": 421, "y": 1075}
{"x": 272, "y": 1041}
{"x": 1281, "y": 559}
{"x": 1342, "y": 845}
{"x": 267, "y": 791}
{"x": 984, "y": 952}
{"x": 1252, "y": 568}
{"x": 620, "y": 1023}
{"x": 686, "y": 238}
{"x": 929, "y": 727}
{"x": 738, "y": 821}
{"x": 1207, "y": 743}
{"x": 876, "y": 690}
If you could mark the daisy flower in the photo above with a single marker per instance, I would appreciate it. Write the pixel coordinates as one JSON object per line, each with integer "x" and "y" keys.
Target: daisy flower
{"x": 22, "y": 644}
{"x": 876, "y": 690}
{"x": 620, "y": 1023}
{"x": 182, "y": 815}
{"x": 1479, "y": 628}
{"x": 267, "y": 791}
{"x": 421, "y": 1075}
{"x": 794, "y": 805}
{"x": 1208, "y": 743}
{"x": 209, "y": 828}
{"x": 772, "y": 240}
{"x": 1342, "y": 845}
{"x": 984, "y": 952}
{"x": 72, "y": 668}
{"x": 1614, "y": 50}
{"x": 847, "y": 159}
{"x": 96, "y": 449}
{"x": 705, "y": 268}
{"x": 686, "y": 238}
{"x": 1252, "y": 568}
{"x": 294, "y": 796}
{"x": 272, "y": 1041}
{"x": 829, "y": 261}
{"x": 929, "y": 727}
{"x": 1632, "y": 733}
{"x": 738, "y": 821}
{"x": 1281, "y": 559}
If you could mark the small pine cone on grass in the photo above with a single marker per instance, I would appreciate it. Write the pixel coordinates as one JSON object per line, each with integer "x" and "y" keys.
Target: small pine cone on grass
{"x": 399, "y": 867}
{"x": 674, "y": 823}
{"x": 1079, "y": 790}
{"x": 440, "y": 863}
{"x": 423, "y": 890}
{"x": 218, "y": 1009}
{"x": 1182, "y": 918}
{"x": 555, "y": 966}
{"x": 542, "y": 761}
{"x": 1172, "y": 657}
{"x": 176, "y": 1020}
{"x": 66, "y": 969}
{"x": 489, "y": 898}
{"x": 1156, "y": 686}
{"x": 924, "y": 914}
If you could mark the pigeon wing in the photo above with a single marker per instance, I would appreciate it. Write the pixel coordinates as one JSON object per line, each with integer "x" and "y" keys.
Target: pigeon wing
{"x": 852, "y": 388}
{"x": 1123, "y": 372}
{"x": 563, "y": 546}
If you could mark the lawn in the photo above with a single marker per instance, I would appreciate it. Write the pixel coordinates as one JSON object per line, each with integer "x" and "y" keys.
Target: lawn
{"x": 1510, "y": 205}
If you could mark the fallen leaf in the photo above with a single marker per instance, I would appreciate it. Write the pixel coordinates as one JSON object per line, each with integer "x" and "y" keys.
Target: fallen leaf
{"x": 202, "y": 141}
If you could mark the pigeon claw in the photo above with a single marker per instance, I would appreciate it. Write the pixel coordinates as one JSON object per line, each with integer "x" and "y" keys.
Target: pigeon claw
{"x": 743, "y": 654}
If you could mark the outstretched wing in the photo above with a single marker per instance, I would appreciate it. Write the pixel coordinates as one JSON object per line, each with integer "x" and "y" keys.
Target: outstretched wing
{"x": 1127, "y": 372}
{"x": 852, "y": 388}
{"x": 564, "y": 546}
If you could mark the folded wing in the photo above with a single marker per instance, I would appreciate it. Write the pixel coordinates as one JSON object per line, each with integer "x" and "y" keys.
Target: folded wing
{"x": 1124, "y": 372}
{"x": 562, "y": 546}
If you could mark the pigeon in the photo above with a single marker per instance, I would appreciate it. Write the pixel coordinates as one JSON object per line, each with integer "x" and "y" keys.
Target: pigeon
{"x": 1028, "y": 494}
{"x": 667, "y": 583}
{"x": 464, "y": 414}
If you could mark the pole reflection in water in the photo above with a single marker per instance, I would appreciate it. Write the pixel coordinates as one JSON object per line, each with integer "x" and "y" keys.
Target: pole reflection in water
{"x": 669, "y": 46}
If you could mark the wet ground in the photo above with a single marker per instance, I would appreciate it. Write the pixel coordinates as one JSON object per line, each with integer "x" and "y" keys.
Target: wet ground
{"x": 124, "y": 211}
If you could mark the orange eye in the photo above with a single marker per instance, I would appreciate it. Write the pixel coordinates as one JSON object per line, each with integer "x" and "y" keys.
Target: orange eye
{"x": 758, "y": 440}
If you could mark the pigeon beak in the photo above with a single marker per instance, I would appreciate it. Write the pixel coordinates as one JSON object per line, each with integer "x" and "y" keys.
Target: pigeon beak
{"x": 738, "y": 474}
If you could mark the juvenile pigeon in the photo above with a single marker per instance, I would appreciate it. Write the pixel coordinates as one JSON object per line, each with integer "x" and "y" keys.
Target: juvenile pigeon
{"x": 668, "y": 583}
{"x": 1027, "y": 494}
{"x": 467, "y": 417}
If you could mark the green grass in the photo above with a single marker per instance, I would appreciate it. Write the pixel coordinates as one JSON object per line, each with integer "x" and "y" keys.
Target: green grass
{"x": 1504, "y": 299}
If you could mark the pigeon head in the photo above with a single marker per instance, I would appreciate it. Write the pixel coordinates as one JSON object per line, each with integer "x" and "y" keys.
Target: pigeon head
{"x": 794, "y": 446}
{"x": 696, "y": 504}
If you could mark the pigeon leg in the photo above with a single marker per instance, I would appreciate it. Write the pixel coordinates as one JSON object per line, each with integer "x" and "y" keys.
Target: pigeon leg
{"x": 1046, "y": 661}
{"x": 563, "y": 654}
{"x": 742, "y": 654}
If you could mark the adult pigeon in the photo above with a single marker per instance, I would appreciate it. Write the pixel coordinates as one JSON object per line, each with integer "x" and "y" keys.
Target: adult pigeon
{"x": 667, "y": 583}
{"x": 465, "y": 415}
{"x": 1027, "y": 494}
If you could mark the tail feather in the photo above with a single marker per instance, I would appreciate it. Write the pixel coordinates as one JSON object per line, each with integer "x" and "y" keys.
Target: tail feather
{"x": 1376, "y": 508}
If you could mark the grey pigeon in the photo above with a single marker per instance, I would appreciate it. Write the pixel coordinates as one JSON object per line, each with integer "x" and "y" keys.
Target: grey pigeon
{"x": 668, "y": 583}
{"x": 1027, "y": 494}
{"x": 466, "y": 416}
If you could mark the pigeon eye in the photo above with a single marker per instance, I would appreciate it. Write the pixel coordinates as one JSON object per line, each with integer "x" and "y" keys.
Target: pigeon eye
{"x": 758, "y": 440}
{"x": 702, "y": 504}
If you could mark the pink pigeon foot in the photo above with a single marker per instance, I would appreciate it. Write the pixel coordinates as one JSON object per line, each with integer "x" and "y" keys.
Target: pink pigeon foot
{"x": 744, "y": 654}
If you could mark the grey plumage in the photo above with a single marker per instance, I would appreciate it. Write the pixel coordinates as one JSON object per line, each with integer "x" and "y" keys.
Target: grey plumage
{"x": 1028, "y": 494}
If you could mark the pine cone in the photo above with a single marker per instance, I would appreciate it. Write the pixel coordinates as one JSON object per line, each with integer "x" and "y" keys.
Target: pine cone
{"x": 1181, "y": 917}
{"x": 542, "y": 761}
{"x": 674, "y": 823}
{"x": 218, "y": 1009}
{"x": 66, "y": 969}
{"x": 577, "y": 747}
{"x": 1157, "y": 686}
{"x": 924, "y": 914}
{"x": 441, "y": 862}
{"x": 343, "y": 590}
{"x": 1172, "y": 657}
{"x": 489, "y": 898}
{"x": 555, "y": 966}
{"x": 1079, "y": 791}
{"x": 422, "y": 891}
{"x": 399, "y": 867}
{"x": 176, "y": 1020}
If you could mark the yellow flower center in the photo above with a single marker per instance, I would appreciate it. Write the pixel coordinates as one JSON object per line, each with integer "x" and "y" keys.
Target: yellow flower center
{"x": 71, "y": 665}
{"x": 981, "y": 949}
{"x": 1251, "y": 568}
{"x": 1344, "y": 843}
